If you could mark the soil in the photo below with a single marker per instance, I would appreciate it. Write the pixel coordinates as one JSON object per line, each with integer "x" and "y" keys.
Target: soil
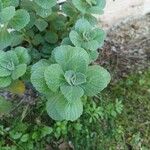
{"x": 127, "y": 47}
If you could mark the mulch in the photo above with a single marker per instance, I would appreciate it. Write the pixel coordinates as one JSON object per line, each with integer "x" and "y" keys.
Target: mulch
{"x": 127, "y": 47}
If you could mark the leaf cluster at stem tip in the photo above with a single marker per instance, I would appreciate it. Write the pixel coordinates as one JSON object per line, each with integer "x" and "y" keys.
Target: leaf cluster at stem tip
{"x": 53, "y": 47}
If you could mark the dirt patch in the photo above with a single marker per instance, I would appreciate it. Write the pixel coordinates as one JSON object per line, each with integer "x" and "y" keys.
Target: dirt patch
{"x": 127, "y": 47}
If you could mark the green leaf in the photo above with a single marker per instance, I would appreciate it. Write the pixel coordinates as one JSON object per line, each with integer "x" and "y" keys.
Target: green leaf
{"x": 76, "y": 38}
{"x": 90, "y": 6}
{"x": 38, "y": 39}
{"x": 80, "y": 78}
{"x": 44, "y": 13}
{"x": 66, "y": 41}
{"x": 24, "y": 138}
{"x": 46, "y": 3}
{"x": 72, "y": 93}
{"x": 11, "y": 58}
{"x": 38, "y": 81}
{"x": 27, "y": 5}
{"x": 91, "y": 19}
{"x": 72, "y": 111}
{"x": 19, "y": 71}
{"x": 20, "y": 20}
{"x": 93, "y": 55}
{"x": 86, "y": 36}
{"x": 5, "y": 38}
{"x": 52, "y": 106}
{"x": 4, "y": 72}
{"x": 15, "y": 135}
{"x": 17, "y": 38}
{"x": 99, "y": 35}
{"x": 54, "y": 76}
{"x": 92, "y": 45}
{"x": 7, "y": 14}
{"x": 22, "y": 54}
{"x": 97, "y": 79}
{"x": 46, "y": 131}
{"x": 5, "y": 81}
{"x": 58, "y": 108}
{"x": 8, "y": 60}
{"x": 7, "y": 3}
{"x": 70, "y": 77}
{"x": 58, "y": 23}
{"x": 69, "y": 9}
{"x": 71, "y": 58}
{"x": 41, "y": 24}
{"x": 40, "y": 64}
{"x": 82, "y": 25}
{"x": 98, "y": 9}
{"x": 1, "y": 5}
{"x": 74, "y": 78}
{"x": 33, "y": 18}
{"x": 51, "y": 37}
{"x": 37, "y": 76}
{"x": 14, "y": 3}
{"x": 5, "y": 106}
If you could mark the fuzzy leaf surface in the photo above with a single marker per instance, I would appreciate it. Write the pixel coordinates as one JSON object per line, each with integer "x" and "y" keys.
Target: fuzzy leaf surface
{"x": 19, "y": 71}
{"x": 97, "y": 79}
{"x": 5, "y": 106}
{"x": 20, "y": 20}
{"x": 72, "y": 93}
{"x": 54, "y": 76}
{"x": 90, "y": 6}
{"x": 41, "y": 24}
{"x": 58, "y": 108}
{"x": 5, "y": 38}
{"x": 86, "y": 36}
{"x": 5, "y": 81}
{"x": 7, "y": 14}
{"x": 46, "y": 3}
{"x": 37, "y": 76}
{"x": 22, "y": 54}
{"x": 71, "y": 58}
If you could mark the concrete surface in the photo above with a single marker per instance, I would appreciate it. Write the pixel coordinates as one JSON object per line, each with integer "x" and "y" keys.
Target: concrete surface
{"x": 117, "y": 10}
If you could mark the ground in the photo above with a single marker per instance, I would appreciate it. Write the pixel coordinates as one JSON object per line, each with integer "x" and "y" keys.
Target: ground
{"x": 126, "y": 48}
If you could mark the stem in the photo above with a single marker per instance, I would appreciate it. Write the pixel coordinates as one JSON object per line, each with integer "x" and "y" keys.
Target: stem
{"x": 24, "y": 112}
{"x": 26, "y": 37}
{"x": 17, "y": 105}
